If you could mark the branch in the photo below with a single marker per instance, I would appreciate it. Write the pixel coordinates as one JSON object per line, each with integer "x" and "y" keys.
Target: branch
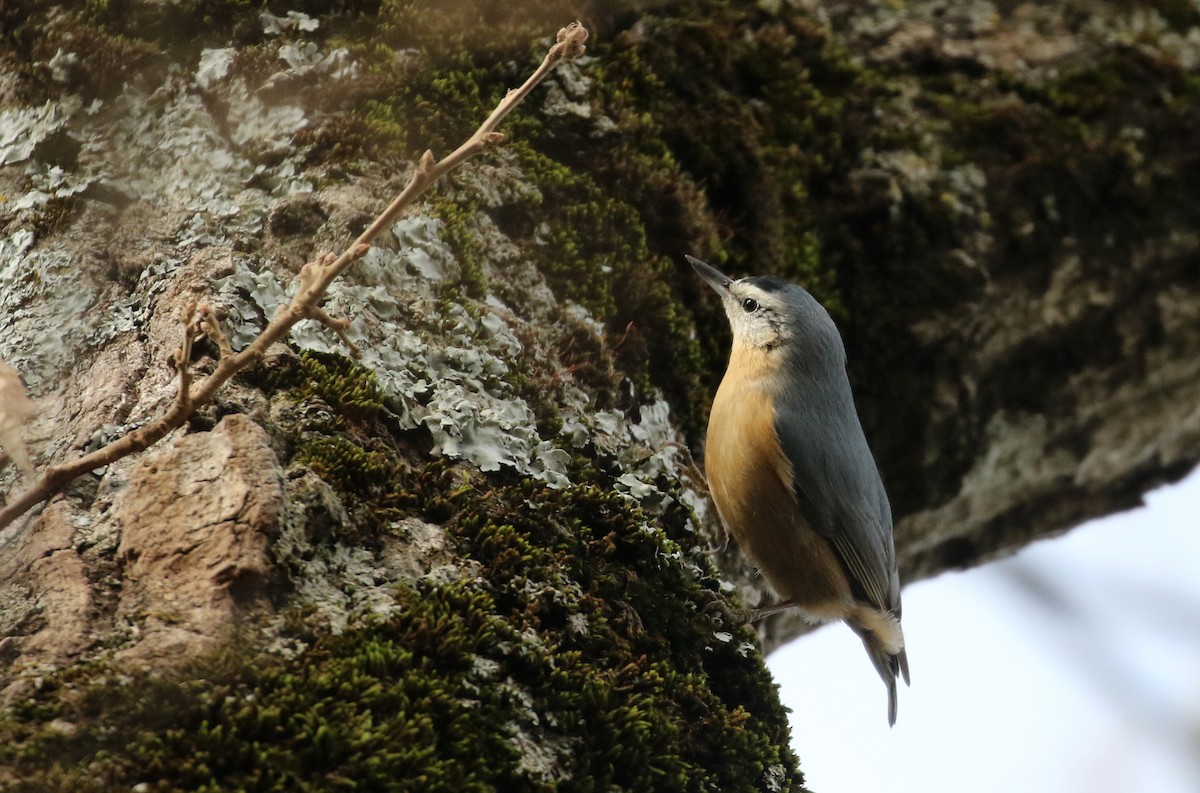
{"x": 313, "y": 284}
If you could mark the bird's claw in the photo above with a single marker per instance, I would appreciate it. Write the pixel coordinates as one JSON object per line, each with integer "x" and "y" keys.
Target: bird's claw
{"x": 726, "y": 539}
{"x": 740, "y": 616}
{"x": 719, "y": 606}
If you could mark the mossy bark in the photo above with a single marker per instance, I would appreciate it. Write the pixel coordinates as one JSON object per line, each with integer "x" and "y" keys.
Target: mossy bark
{"x": 479, "y": 558}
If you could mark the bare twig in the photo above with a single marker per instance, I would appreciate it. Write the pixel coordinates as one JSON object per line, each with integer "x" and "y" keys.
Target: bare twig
{"x": 313, "y": 284}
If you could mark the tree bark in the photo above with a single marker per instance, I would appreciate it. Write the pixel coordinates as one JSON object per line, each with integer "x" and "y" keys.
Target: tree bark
{"x": 481, "y": 556}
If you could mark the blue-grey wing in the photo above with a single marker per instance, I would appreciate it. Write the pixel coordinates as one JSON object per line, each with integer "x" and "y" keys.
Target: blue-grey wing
{"x": 838, "y": 488}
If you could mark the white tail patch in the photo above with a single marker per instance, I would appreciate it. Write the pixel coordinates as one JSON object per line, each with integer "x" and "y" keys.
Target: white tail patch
{"x": 883, "y": 625}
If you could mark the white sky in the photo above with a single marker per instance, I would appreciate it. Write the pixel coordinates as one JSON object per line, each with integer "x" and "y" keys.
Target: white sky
{"x": 1093, "y": 689}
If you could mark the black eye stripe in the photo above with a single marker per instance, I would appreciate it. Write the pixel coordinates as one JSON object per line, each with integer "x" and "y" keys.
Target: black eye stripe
{"x": 750, "y": 305}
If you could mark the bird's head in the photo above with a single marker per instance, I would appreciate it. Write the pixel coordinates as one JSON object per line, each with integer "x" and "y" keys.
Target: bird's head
{"x": 770, "y": 313}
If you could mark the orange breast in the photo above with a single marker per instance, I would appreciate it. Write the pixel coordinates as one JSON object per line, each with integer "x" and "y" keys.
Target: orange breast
{"x": 750, "y": 480}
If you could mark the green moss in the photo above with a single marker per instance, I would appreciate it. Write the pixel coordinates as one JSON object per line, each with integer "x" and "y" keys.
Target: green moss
{"x": 571, "y": 356}
{"x": 345, "y": 464}
{"x": 102, "y": 59}
{"x": 346, "y": 142}
{"x": 763, "y": 159}
{"x": 340, "y": 431}
{"x": 349, "y": 388}
{"x": 414, "y": 107}
{"x": 458, "y": 216}
{"x": 1076, "y": 155}
{"x": 174, "y": 26}
{"x": 580, "y": 660}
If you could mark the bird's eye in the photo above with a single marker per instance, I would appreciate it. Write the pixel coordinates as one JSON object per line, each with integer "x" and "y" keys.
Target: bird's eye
{"x": 750, "y": 305}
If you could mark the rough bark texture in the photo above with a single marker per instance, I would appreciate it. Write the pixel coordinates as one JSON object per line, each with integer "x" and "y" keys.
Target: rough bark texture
{"x": 479, "y": 557}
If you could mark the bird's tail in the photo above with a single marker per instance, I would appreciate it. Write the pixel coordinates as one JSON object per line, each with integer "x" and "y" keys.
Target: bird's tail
{"x": 889, "y": 659}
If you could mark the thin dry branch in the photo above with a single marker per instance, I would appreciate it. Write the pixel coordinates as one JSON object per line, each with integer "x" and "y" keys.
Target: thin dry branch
{"x": 312, "y": 288}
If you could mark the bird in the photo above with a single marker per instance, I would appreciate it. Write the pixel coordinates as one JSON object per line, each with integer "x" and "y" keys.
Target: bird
{"x": 790, "y": 471}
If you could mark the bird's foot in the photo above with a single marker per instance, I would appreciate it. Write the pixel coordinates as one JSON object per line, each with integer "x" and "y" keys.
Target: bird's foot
{"x": 739, "y": 616}
{"x": 762, "y": 612}
{"x": 720, "y": 608}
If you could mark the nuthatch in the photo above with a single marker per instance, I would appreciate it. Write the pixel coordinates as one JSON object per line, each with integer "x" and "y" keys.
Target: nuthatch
{"x": 791, "y": 473}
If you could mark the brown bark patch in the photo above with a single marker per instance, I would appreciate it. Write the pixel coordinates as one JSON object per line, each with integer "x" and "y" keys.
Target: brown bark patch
{"x": 197, "y": 521}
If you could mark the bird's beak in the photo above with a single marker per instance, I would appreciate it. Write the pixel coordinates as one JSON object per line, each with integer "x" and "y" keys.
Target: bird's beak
{"x": 715, "y": 278}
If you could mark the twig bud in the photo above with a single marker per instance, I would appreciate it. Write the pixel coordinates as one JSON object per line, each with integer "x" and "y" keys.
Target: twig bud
{"x": 210, "y": 323}
{"x": 570, "y": 40}
{"x": 308, "y": 274}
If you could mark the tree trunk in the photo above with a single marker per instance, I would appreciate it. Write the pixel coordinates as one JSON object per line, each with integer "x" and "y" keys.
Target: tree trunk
{"x": 479, "y": 557}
